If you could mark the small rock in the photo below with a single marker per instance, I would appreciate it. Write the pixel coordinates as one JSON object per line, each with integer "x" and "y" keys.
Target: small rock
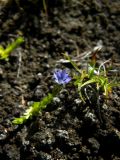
{"x": 95, "y": 145}
{"x": 44, "y": 139}
{"x": 90, "y": 116}
{"x": 77, "y": 101}
{"x": 56, "y": 100}
{"x": 62, "y": 134}
{"x": 44, "y": 156}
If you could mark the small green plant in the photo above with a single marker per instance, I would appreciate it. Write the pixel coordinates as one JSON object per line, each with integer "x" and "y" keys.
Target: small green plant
{"x": 93, "y": 75}
{"x": 34, "y": 109}
{"x": 4, "y": 53}
{"x": 93, "y": 84}
{"x": 94, "y": 78}
{"x": 61, "y": 77}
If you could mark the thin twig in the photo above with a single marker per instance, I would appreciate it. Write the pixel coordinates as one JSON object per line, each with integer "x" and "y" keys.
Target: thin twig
{"x": 19, "y": 64}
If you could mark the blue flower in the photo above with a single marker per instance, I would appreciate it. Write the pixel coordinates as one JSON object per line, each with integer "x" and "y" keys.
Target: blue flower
{"x": 61, "y": 76}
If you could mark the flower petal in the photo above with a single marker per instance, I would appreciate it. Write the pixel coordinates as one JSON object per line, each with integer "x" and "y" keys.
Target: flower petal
{"x": 61, "y": 76}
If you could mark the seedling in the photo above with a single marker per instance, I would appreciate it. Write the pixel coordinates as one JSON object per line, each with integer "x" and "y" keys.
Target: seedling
{"x": 61, "y": 78}
{"x": 93, "y": 83}
{"x": 91, "y": 75}
{"x": 5, "y": 53}
{"x": 34, "y": 109}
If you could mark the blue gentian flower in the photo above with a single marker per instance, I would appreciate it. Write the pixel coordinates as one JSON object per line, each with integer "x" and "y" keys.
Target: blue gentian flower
{"x": 61, "y": 76}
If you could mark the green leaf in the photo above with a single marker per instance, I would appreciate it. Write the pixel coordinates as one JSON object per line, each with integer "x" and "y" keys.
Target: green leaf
{"x": 4, "y": 53}
{"x": 20, "y": 120}
{"x": 88, "y": 82}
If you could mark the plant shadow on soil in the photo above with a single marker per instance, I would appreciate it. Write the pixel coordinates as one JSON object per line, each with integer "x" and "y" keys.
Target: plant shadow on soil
{"x": 64, "y": 130}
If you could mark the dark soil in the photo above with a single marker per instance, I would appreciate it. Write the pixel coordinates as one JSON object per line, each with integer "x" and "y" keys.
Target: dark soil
{"x": 66, "y": 129}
